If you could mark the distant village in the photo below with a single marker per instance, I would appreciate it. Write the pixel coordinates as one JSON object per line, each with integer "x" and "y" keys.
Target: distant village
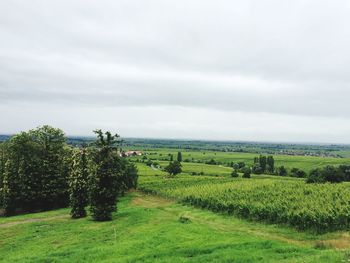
{"x": 310, "y": 153}
{"x": 130, "y": 153}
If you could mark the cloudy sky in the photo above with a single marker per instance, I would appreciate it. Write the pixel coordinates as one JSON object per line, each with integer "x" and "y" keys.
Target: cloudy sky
{"x": 227, "y": 70}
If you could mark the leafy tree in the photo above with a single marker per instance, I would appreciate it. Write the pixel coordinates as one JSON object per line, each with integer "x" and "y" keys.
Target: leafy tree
{"x": 179, "y": 157}
{"x": 345, "y": 170}
{"x": 263, "y": 162}
{"x": 257, "y": 169}
{"x": 296, "y": 172}
{"x": 173, "y": 168}
{"x": 105, "y": 170}
{"x": 128, "y": 176}
{"x": 327, "y": 174}
{"x": 315, "y": 176}
{"x": 234, "y": 173}
{"x": 21, "y": 178}
{"x": 270, "y": 167}
{"x": 171, "y": 157}
{"x": 78, "y": 184}
{"x": 282, "y": 171}
{"x": 131, "y": 176}
{"x": 149, "y": 163}
{"x": 211, "y": 162}
{"x": 11, "y": 188}
{"x": 235, "y": 166}
{"x": 246, "y": 172}
{"x": 333, "y": 174}
{"x": 54, "y": 182}
{"x": 241, "y": 165}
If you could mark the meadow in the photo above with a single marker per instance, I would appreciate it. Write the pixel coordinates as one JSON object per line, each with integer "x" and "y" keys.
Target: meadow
{"x": 305, "y": 163}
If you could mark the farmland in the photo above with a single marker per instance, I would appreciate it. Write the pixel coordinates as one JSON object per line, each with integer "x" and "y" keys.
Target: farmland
{"x": 199, "y": 215}
{"x": 315, "y": 207}
{"x": 305, "y": 163}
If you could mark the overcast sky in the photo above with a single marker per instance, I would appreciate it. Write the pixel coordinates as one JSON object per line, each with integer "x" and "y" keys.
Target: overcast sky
{"x": 227, "y": 70}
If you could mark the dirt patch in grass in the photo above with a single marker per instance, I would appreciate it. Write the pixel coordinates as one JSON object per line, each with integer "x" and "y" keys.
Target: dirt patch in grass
{"x": 32, "y": 220}
{"x": 341, "y": 242}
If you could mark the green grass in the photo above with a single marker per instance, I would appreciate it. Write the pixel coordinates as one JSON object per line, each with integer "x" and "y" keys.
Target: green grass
{"x": 147, "y": 229}
{"x": 305, "y": 163}
{"x": 206, "y": 169}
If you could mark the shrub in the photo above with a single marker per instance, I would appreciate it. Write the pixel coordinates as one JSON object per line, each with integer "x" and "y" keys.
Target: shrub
{"x": 246, "y": 172}
{"x": 234, "y": 173}
{"x": 282, "y": 171}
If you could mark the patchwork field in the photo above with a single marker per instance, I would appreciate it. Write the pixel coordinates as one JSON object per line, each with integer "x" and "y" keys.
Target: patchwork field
{"x": 202, "y": 218}
{"x": 305, "y": 163}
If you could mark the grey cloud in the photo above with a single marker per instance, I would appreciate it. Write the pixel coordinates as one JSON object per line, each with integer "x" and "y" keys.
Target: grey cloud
{"x": 277, "y": 57}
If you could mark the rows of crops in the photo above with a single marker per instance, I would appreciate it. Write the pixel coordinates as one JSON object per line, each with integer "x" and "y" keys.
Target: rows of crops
{"x": 316, "y": 207}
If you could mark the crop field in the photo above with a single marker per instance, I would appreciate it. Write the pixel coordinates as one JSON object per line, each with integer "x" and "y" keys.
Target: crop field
{"x": 318, "y": 207}
{"x": 305, "y": 163}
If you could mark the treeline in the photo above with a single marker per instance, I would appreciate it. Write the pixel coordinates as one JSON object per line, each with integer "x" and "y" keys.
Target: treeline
{"x": 39, "y": 171}
{"x": 263, "y": 164}
{"x": 330, "y": 174}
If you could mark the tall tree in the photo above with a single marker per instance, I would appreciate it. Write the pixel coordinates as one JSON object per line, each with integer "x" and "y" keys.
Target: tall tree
{"x": 54, "y": 181}
{"x": 262, "y": 160}
{"x": 179, "y": 157}
{"x": 270, "y": 164}
{"x": 105, "y": 169}
{"x": 11, "y": 187}
{"x": 2, "y": 169}
{"x": 21, "y": 172}
{"x": 78, "y": 184}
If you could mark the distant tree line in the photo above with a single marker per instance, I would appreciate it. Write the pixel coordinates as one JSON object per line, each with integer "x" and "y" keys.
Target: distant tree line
{"x": 39, "y": 171}
{"x": 330, "y": 174}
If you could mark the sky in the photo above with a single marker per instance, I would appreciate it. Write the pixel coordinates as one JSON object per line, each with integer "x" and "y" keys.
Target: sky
{"x": 196, "y": 69}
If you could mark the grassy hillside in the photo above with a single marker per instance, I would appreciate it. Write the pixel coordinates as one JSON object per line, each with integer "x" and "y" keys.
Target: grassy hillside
{"x": 148, "y": 229}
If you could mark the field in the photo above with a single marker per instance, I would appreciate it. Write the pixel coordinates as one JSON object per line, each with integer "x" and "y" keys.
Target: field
{"x": 304, "y": 206}
{"x": 197, "y": 218}
{"x": 305, "y": 163}
{"x": 148, "y": 229}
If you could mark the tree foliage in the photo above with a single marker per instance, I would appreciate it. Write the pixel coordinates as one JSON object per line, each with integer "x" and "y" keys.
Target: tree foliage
{"x": 246, "y": 172}
{"x": 174, "y": 168}
{"x": 78, "y": 183}
{"x": 105, "y": 170}
{"x": 263, "y": 164}
{"x": 179, "y": 157}
{"x": 330, "y": 174}
{"x": 33, "y": 177}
